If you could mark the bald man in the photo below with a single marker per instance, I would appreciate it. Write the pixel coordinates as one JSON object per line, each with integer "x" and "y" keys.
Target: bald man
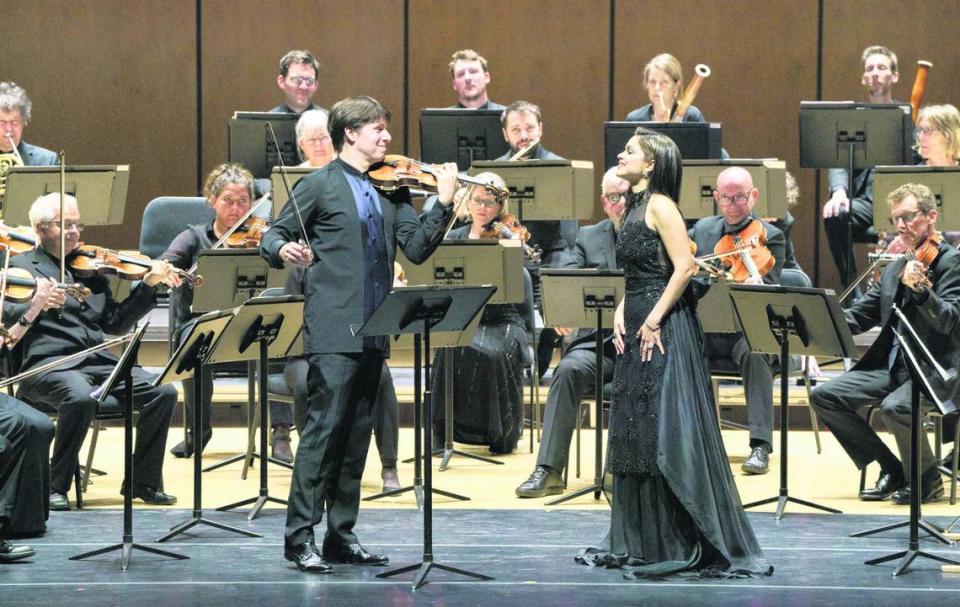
{"x": 735, "y": 197}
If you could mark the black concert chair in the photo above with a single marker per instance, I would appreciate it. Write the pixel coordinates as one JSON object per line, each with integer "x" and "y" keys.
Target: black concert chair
{"x": 531, "y": 320}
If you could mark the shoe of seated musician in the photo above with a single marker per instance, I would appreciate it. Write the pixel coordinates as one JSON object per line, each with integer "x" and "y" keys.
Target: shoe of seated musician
{"x": 58, "y": 502}
{"x": 931, "y": 488}
{"x": 280, "y": 443}
{"x": 759, "y": 460}
{"x": 353, "y": 554}
{"x": 13, "y": 552}
{"x": 151, "y": 495}
{"x": 887, "y": 484}
{"x": 307, "y": 558}
{"x": 184, "y": 448}
{"x": 391, "y": 481}
{"x": 543, "y": 481}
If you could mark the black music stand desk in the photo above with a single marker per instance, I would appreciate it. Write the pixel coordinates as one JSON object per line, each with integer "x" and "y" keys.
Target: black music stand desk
{"x": 584, "y": 298}
{"x": 780, "y": 320}
{"x": 420, "y": 310}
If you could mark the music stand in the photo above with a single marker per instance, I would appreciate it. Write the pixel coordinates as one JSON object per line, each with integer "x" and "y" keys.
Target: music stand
{"x": 700, "y": 180}
{"x": 466, "y": 135}
{"x": 188, "y": 361}
{"x": 941, "y": 390}
{"x": 101, "y": 191}
{"x": 250, "y": 144}
{"x": 279, "y": 190}
{"x": 420, "y": 310}
{"x": 584, "y": 298}
{"x": 274, "y": 323}
{"x": 231, "y": 277}
{"x": 777, "y": 319}
{"x": 545, "y": 190}
{"x": 123, "y": 371}
{"x": 853, "y": 136}
{"x": 943, "y": 181}
{"x": 702, "y": 140}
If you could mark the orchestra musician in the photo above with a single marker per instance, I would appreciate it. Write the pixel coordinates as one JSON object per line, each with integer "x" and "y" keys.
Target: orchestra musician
{"x": 74, "y": 327}
{"x": 297, "y": 78}
{"x": 523, "y": 126}
{"x": 313, "y": 139}
{"x": 470, "y": 75}
{"x": 228, "y": 190}
{"x": 930, "y": 299}
{"x": 352, "y": 233}
{"x": 880, "y": 73}
{"x": 938, "y": 135}
{"x": 15, "y": 112}
{"x": 663, "y": 78}
{"x": 487, "y": 374}
{"x": 574, "y": 377}
{"x": 25, "y": 436}
{"x": 735, "y": 197}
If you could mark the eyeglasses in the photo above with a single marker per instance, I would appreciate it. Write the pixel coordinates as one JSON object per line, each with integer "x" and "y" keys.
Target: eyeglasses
{"x": 490, "y": 203}
{"x": 926, "y": 131}
{"x": 738, "y": 198}
{"x": 615, "y": 197}
{"x": 905, "y": 217}
{"x": 301, "y": 80}
{"x": 317, "y": 140}
{"x": 70, "y": 225}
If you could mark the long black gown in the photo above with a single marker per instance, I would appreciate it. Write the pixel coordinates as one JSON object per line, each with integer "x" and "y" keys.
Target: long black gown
{"x": 675, "y": 507}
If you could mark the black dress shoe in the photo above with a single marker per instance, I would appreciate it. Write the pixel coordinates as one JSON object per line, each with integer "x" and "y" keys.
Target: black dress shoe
{"x": 307, "y": 558}
{"x": 931, "y": 488}
{"x": 151, "y": 495}
{"x": 10, "y": 552}
{"x": 543, "y": 481}
{"x": 184, "y": 448}
{"x": 759, "y": 460}
{"x": 59, "y": 502}
{"x": 888, "y": 484}
{"x": 354, "y": 554}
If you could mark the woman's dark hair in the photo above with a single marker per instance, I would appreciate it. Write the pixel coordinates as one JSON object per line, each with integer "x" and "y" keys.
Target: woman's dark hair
{"x": 667, "y": 163}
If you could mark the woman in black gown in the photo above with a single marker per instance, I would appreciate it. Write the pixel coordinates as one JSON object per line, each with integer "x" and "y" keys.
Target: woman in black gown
{"x": 675, "y": 507}
{"x": 487, "y": 375}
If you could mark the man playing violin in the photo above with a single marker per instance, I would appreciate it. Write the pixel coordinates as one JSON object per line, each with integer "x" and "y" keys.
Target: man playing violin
{"x": 352, "y": 233}
{"x": 75, "y": 326}
{"x": 735, "y": 197}
{"x": 929, "y": 296}
{"x": 229, "y": 192}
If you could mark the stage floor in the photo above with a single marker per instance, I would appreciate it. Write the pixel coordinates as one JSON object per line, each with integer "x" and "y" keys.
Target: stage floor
{"x": 529, "y": 553}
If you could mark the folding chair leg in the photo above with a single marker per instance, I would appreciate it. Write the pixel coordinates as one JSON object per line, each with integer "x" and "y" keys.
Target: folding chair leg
{"x": 90, "y": 452}
{"x": 814, "y": 423}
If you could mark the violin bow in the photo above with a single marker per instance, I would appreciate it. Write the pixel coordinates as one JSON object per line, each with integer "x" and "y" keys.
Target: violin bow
{"x": 286, "y": 184}
{"x": 457, "y": 206}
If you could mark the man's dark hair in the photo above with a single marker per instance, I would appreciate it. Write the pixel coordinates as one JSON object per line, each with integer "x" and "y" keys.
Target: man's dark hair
{"x": 353, "y": 113}
{"x": 305, "y": 57}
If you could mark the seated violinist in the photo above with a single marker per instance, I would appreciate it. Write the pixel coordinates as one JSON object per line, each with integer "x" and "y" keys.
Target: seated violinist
{"x": 229, "y": 191}
{"x": 926, "y": 286}
{"x": 735, "y": 197}
{"x": 488, "y": 375}
{"x": 77, "y": 326}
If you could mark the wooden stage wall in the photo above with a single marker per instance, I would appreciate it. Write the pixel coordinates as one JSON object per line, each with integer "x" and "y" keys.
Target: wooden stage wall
{"x": 114, "y": 81}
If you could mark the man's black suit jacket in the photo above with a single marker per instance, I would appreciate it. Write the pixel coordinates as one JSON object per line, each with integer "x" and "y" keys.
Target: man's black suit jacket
{"x": 595, "y": 248}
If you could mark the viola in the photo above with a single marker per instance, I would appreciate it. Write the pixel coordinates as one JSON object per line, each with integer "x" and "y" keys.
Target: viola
{"x": 19, "y": 286}
{"x": 248, "y": 234}
{"x": 398, "y": 171}
{"x": 507, "y": 227}
{"x": 17, "y": 240}
{"x": 748, "y": 262}
{"x": 91, "y": 260}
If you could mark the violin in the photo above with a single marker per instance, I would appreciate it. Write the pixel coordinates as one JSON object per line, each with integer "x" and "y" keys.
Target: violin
{"x": 17, "y": 240}
{"x": 925, "y": 254}
{"x": 749, "y": 262}
{"x": 248, "y": 234}
{"x": 19, "y": 286}
{"x": 507, "y": 227}
{"x": 90, "y": 260}
{"x": 714, "y": 271}
{"x": 398, "y": 171}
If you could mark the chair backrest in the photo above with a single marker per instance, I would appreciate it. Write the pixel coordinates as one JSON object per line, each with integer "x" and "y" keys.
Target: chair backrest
{"x": 165, "y": 217}
{"x": 790, "y": 277}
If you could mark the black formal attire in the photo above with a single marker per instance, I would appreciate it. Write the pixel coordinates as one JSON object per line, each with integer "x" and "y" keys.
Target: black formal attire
{"x": 785, "y": 225}
{"x": 645, "y": 114}
{"x": 487, "y": 376}
{"x": 881, "y": 376}
{"x": 34, "y": 155}
{"x": 283, "y": 108}
{"x": 755, "y": 369}
{"x": 861, "y": 218}
{"x": 675, "y": 506}
{"x": 353, "y": 233}
{"x": 67, "y": 388}
{"x": 489, "y": 105}
{"x": 25, "y": 436}
{"x": 182, "y": 253}
{"x": 575, "y": 375}
{"x": 386, "y": 411}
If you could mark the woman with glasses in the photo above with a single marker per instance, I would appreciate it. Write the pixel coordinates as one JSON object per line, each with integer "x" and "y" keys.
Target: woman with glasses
{"x": 938, "y": 135}
{"x": 313, "y": 139}
{"x": 488, "y": 374}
